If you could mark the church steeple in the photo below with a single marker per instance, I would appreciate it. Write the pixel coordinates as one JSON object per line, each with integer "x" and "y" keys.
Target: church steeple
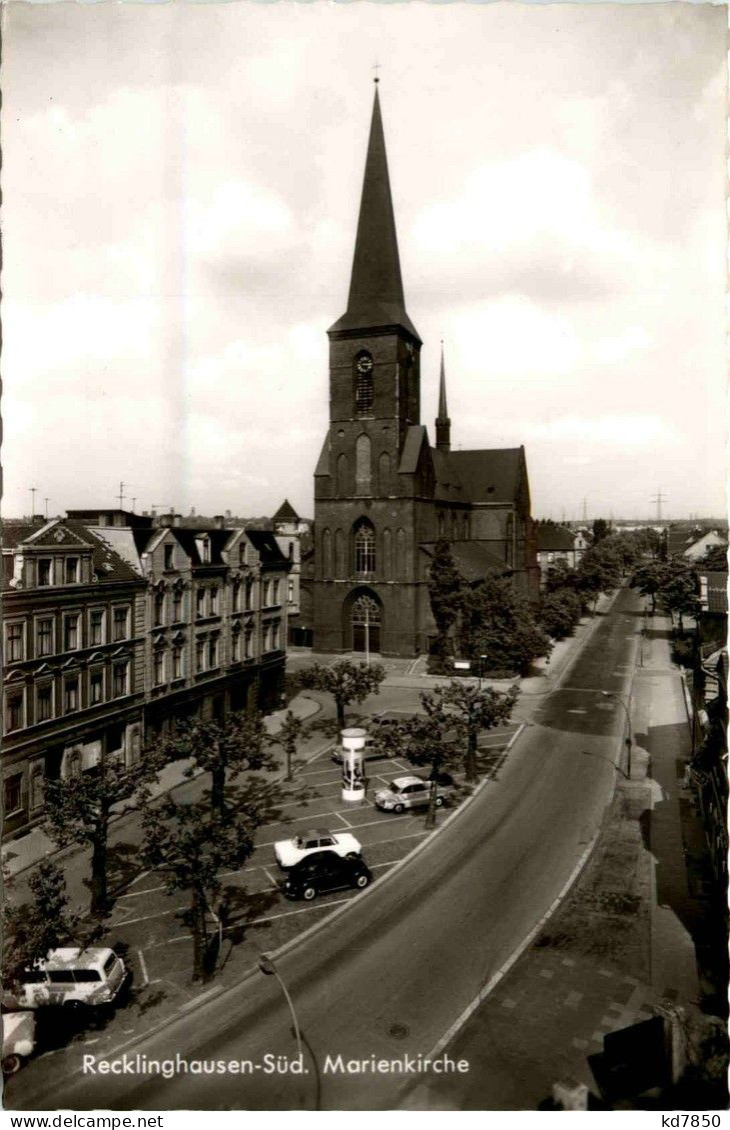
{"x": 443, "y": 423}
{"x": 376, "y": 289}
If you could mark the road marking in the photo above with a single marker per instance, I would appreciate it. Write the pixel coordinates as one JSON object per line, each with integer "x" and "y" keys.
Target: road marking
{"x": 577, "y": 711}
{"x": 342, "y": 818}
{"x": 143, "y": 967}
{"x": 269, "y": 876}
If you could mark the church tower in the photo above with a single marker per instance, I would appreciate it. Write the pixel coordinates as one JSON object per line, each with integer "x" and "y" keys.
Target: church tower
{"x": 368, "y": 478}
{"x": 443, "y": 423}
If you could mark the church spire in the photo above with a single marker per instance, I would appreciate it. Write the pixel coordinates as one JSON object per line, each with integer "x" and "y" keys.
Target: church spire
{"x": 443, "y": 423}
{"x": 376, "y": 288}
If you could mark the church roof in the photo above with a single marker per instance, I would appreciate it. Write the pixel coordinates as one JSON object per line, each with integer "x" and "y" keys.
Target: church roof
{"x": 415, "y": 438}
{"x": 489, "y": 476}
{"x": 286, "y": 511}
{"x": 473, "y": 560}
{"x": 376, "y": 288}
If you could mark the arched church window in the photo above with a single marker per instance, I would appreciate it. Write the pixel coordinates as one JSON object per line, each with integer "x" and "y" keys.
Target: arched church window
{"x": 339, "y": 554}
{"x": 363, "y": 450}
{"x": 326, "y": 554}
{"x": 384, "y": 473}
{"x": 400, "y": 554}
{"x": 387, "y": 555}
{"x": 364, "y": 548}
{"x": 342, "y": 474}
{"x": 363, "y": 384}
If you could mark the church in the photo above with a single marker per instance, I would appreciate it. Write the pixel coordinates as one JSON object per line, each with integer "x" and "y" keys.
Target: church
{"x": 383, "y": 494}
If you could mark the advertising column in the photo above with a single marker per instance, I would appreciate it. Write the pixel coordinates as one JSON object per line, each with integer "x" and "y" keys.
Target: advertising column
{"x": 353, "y": 784}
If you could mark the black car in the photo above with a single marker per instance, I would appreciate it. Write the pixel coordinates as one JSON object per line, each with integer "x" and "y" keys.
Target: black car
{"x": 324, "y": 871}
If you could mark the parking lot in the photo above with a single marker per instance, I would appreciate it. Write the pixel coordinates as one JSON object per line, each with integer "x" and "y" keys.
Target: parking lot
{"x": 259, "y": 917}
{"x": 145, "y": 926}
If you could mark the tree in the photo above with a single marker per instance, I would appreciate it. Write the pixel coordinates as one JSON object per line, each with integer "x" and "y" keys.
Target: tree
{"x": 347, "y": 682}
{"x": 35, "y": 927}
{"x": 445, "y": 591}
{"x": 78, "y": 809}
{"x": 469, "y": 710}
{"x": 559, "y": 613}
{"x": 601, "y": 530}
{"x": 561, "y": 576}
{"x": 679, "y": 592}
{"x": 599, "y": 570}
{"x": 498, "y": 623}
{"x": 223, "y": 748}
{"x": 648, "y": 578}
{"x": 424, "y": 740}
{"x": 287, "y": 737}
{"x": 192, "y": 845}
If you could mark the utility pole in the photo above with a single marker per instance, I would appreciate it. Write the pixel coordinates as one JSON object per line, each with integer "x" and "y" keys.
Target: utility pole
{"x": 46, "y": 500}
{"x": 121, "y": 495}
{"x": 32, "y": 500}
{"x": 659, "y": 498}
{"x": 585, "y": 509}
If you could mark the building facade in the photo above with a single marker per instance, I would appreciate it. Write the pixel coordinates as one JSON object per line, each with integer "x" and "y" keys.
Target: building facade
{"x": 383, "y": 494}
{"x": 115, "y": 628}
{"x": 73, "y": 670}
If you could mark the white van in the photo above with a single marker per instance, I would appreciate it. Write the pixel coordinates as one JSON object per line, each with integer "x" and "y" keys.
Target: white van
{"x": 73, "y": 978}
{"x": 18, "y": 1040}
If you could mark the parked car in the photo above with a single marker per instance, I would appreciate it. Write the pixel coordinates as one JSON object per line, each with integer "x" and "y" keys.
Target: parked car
{"x": 290, "y": 852}
{"x": 18, "y": 1040}
{"x": 74, "y": 978}
{"x": 322, "y": 872}
{"x": 370, "y": 751}
{"x": 406, "y": 792}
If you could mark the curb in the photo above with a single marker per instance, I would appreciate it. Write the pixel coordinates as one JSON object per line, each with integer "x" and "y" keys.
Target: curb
{"x": 288, "y": 946}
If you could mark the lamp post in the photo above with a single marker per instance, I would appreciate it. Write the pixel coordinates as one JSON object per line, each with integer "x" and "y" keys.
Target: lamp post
{"x": 627, "y": 707}
{"x": 481, "y": 669}
{"x": 268, "y": 968}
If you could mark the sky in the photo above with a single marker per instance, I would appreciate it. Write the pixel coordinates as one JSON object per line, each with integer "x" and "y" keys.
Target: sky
{"x": 181, "y": 185}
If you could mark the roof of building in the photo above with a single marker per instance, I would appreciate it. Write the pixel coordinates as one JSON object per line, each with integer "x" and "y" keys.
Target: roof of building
{"x": 472, "y": 558}
{"x": 286, "y": 511}
{"x": 265, "y": 543}
{"x": 376, "y": 287}
{"x": 554, "y": 539}
{"x": 714, "y": 593}
{"x": 489, "y": 475}
{"x": 107, "y": 563}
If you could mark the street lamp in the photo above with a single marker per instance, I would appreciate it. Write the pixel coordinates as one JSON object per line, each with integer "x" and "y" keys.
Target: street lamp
{"x": 627, "y": 707}
{"x": 481, "y": 669}
{"x": 268, "y": 968}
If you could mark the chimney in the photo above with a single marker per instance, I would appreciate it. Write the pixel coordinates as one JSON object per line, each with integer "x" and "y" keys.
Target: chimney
{"x": 219, "y": 522}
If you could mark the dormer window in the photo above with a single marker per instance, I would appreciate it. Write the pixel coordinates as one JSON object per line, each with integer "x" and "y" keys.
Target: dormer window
{"x": 72, "y": 570}
{"x": 363, "y": 384}
{"x": 169, "y": 550}
{"x": 45, "y": 571}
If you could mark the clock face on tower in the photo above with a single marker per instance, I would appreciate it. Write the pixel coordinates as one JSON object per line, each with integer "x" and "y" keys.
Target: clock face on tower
{"x": 365, "y": 364}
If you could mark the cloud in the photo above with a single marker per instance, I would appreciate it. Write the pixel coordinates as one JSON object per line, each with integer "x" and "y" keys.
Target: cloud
{"x": 618, "y": 430}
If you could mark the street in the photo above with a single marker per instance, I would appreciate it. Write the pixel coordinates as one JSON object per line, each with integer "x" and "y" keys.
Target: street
{"x": 390, "y": 976}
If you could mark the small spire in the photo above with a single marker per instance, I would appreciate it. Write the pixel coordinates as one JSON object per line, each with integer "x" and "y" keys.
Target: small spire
{"x": 443, "y": 423}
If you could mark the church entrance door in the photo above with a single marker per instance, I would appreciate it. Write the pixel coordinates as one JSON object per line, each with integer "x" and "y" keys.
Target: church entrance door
{"x": 365, "y": 621}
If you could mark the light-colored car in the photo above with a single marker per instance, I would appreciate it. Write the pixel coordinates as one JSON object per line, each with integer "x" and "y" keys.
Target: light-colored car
{"x": 18, "y": 1040}
{"x": 290, "y": 852}
{"x": 406, "y": 792}
{"x": 73, "y": 978}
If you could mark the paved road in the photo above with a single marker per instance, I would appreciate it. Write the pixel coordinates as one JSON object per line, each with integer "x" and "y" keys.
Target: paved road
{"x": 390, "y": 976}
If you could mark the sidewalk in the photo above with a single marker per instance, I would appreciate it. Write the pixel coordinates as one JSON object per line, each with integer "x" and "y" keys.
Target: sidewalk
{"x": 639, "y": 932}
{"x": 26, "y": 851}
